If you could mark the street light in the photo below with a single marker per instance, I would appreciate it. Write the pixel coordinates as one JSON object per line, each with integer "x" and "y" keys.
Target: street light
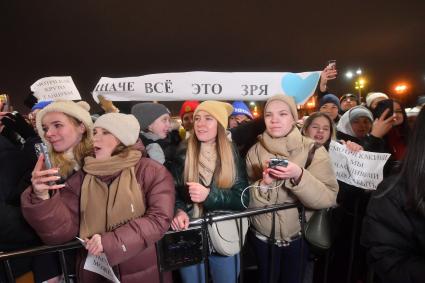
{"x": 349, "y": 75}
{"x": 359, "y": 85}
{"x": 400, "y": 88}
{"x": 360, "y": 82}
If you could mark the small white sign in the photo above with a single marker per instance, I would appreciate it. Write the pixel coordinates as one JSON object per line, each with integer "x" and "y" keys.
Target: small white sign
{"x": 55, "y": 88}
{"x": 100, "y": 265}
{"x": 362, "y": 169}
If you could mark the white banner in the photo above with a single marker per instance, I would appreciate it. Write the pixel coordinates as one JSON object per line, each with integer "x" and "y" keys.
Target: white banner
{"x": 99, "y": 264}
{"x": 55, "y": 88}
{"x": 208, "y": 86}
{"x": 362, "y": 169}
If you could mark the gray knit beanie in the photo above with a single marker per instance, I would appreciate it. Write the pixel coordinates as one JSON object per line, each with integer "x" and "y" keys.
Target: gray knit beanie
{"x": 146, "y": 113}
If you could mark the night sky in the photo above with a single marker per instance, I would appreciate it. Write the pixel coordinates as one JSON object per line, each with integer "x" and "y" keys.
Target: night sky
{"x": 90, "y": 39}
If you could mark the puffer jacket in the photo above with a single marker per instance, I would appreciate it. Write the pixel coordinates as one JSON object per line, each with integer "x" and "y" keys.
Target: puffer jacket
{"x": 317, "y": 188}
{"x": 218, "y": 198}
{"x": 56, "y": 221}
{"x": 394, "y": 235}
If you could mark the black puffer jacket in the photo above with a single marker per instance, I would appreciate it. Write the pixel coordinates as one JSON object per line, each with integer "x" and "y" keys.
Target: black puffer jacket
{"x": 394, "y": 235}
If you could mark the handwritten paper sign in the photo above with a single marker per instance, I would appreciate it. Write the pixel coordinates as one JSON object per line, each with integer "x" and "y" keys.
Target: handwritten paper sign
{"x": 55, "y": 88}
{"x": 99, "y": 264}
{"x": 208, "y": 86}
{"x": 362, "y": 169}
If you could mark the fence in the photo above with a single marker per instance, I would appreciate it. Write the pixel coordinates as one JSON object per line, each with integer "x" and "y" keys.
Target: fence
{"x": 163, "y": 265}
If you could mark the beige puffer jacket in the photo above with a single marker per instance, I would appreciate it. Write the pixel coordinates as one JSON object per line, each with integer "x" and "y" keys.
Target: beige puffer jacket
{"x": 317, "y": 189}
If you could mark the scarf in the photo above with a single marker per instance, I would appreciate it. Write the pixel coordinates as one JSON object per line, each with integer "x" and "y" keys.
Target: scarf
{"x": 282, "y": 146}
{"x": 103, "y": 207}
{"x": 206, "y": 164}
{"x": 151, "y": 136}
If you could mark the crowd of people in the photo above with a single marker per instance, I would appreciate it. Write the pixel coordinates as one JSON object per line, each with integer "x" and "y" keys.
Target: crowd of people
{"x": 120, "y": 181}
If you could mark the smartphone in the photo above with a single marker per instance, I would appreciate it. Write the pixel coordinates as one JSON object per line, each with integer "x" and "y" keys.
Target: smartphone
{"x": 277, "y": 162}
{"x": 383, "y": 105}
{"x": 332, "y": 64}
{"x": 41, "y": 148}
{"x": 4, "y": 99}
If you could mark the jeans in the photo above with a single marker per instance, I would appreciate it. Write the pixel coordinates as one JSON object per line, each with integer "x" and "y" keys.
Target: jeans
{"x": 222, "y": 270}
{"x": 288, "y": 262}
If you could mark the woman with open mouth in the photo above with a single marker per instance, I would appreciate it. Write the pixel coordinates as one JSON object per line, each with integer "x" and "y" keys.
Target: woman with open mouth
{"x": 120, "y": 203}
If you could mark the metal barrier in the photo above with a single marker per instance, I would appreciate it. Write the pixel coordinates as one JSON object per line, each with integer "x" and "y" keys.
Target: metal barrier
{"x": 210, "y": 218}
{"x": 202, "y": 222}
{"x": 6, "y": 257}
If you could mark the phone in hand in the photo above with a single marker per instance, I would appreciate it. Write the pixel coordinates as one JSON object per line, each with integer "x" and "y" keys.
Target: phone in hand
{"x": 332, "y": 64}
{"x": 383, "y": 105}
{"x": 278, "y": 162}
{"x": 41, "y": 148}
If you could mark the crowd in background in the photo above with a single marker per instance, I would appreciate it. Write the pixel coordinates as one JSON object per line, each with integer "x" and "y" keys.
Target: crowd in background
{"x": 119, "y": 181}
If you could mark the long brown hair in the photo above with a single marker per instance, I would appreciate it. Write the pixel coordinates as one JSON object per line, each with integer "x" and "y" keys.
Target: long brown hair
{"x": 80, "y": 151}
{"x": 310, "y": 120}
{"x": 225, "y": 169}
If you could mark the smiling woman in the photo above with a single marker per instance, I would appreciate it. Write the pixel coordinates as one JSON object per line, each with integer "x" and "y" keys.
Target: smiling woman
{"x": 209, "y": 176}
{"x": 320, "y": 128}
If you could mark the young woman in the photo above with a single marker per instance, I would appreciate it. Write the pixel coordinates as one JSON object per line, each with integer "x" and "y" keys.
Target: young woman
{"x": 66, "y": 128}
{"x": 120, "y": 203}
{"x": 394, "y": 225}
{"x": 396, "y": 139}
{"x": 209, "y": 176}
{"x": 315, "y": 187}
{"x": 348, "y": 260}
{"x": 357, "y": 125}
{"x": 320, "y": 127}
{"x": 155, "y": 123}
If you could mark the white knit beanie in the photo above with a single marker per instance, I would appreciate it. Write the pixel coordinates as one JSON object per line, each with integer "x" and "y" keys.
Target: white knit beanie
{"x": 371, "y": 96}
{"x": 78, "y": 110}
{"x": 124, "y": 127}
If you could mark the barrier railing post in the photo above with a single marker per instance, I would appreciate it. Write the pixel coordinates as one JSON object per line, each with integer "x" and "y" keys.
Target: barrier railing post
{"x": 62, "y": 261}
{"x": 206, "y": 250}
{"x": 9, "y": 272}
{"x": 240, "y": 253}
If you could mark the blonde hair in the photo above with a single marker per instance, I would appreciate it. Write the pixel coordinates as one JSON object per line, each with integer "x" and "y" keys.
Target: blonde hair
{"x": 225, "y": 170}
{"x": 80, "y": 151}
